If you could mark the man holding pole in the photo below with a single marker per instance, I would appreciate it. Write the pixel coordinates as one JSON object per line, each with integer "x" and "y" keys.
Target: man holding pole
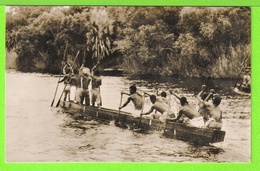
{"x": 84, "y": 84}
{"x": 66, "y": 80}
{"x": 96, "y": 83}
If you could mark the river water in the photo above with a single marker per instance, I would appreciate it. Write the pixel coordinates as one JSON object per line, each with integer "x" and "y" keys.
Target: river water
{"x": 37, "y": 132}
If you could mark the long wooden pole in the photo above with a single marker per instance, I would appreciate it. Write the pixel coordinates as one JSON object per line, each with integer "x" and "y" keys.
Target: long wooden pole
{"x": 117, "y": 119}
{"x": 69, "y": 76}
{"x": 56, "y": 88}
{"x": 59, "y": 75}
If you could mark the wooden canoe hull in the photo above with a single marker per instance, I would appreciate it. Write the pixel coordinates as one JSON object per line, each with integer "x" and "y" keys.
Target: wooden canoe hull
{"x": 110, "y": 115}
{"x": 170, "y": 129}
{"x": 242, "y": 89}
{"x": 199, "y": 135}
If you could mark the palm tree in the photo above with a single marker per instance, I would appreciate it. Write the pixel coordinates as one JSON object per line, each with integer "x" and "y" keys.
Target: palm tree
{"x": 98, "y": 38}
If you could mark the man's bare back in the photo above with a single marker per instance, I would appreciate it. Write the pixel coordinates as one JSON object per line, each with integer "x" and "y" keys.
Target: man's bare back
{"x": 137, "y": 100}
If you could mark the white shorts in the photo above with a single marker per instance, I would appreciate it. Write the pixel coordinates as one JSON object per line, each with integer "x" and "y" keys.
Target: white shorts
{"x": 78, "y": 94}
{"x": 136, "y": 113}
{"x": 196, "y": 122}
{"x": 96, "y": 96}
{"x": 163, "y": 117}
{"x": 72, "y": 93}
{"x": 211, "y": 123}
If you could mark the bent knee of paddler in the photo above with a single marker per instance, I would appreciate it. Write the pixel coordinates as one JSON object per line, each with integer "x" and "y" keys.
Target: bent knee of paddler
{"x": 215, "y": 125}
{"x": 172, "y": 115}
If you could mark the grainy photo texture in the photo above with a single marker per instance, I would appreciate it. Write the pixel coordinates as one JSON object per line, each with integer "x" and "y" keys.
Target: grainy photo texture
{"x": 128, "y": 84}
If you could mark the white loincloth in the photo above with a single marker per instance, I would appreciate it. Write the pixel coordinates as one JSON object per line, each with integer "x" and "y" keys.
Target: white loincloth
{"x": 78, "y": 94}
{"x": 196, "y": 122}
{"x": 96, "y": 95}
{"x": 72, "y": 93}
{"x": 163, "y": 117}
{"x": 213, "y": 124}
{"x": 135, "y": 113}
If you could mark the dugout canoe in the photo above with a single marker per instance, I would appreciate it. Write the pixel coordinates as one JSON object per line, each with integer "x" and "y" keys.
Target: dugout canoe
{"x": 243, "y": 90}
{"x": 169, "y": 129}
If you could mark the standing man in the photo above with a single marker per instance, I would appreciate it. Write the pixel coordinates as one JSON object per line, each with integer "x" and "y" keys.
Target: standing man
{"x": 74, "y": 86}
{"x": 84, "y": 84}
{"x": 66, "y": 79}
{"x": 96, "y": 83}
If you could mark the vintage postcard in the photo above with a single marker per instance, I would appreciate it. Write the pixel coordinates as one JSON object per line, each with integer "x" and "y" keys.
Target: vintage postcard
{"x": 129, "y": 86}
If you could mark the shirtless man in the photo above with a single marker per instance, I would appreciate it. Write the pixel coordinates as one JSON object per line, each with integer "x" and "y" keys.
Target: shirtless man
{"x": 247, "y": 78}
{"x": 160, "y": 106}
{"x": 215, "y": 113}
{"x": 192, "y": 117}
{"x": 137, "y": 100}
{"x": 75, "y": 89}
{"x": 202, "y": 97}
{"x": 96, "y": 83}
{"x": 163, "y": 97}
{"x": 66, "y": 79}
{"x": 84, "y": 84}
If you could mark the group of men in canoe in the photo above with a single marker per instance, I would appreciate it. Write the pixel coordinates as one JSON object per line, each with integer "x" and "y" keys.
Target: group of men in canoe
{"x": 208, "y": 114}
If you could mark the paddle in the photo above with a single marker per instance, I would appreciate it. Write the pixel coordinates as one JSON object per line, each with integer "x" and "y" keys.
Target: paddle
{"x": 174, "y": 94}
{"x": 56, "y": 88}
{"x": 100, "y": 103}
{"x": 59, "y": 76}
{"x": 117, "y": 119}
{"x": 69, "y": 76}
{"x": 66, "y": 62}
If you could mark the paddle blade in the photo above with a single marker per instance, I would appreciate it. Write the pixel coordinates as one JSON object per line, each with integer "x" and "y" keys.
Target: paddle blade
{"x": 52, "y": 102}
{"x": 58, "y": 103}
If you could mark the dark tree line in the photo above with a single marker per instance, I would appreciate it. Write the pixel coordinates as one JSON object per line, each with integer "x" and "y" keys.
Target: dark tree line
{"x": 179, "y": 41}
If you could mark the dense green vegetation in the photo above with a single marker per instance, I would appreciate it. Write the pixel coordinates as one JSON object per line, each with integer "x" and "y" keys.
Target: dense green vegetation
{"x": 179, "y": 41}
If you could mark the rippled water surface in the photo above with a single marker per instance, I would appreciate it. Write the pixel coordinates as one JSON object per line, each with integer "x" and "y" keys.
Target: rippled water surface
{"x": 36, "y": 132}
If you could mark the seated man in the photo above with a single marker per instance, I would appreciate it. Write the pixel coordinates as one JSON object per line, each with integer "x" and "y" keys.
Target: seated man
{"x": 204, "y": 96}
{"x": 247, "y": 78}
{"x": 137, "y": 100}
{"x": 215, "y": 114}
{"x": 192, "y": 117}
{"x": 163, "y": 97}
{"x": 161, "y": 107}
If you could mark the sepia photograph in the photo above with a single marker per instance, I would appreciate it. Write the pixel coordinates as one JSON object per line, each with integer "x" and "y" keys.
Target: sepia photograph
{"x": 128, "y": 84}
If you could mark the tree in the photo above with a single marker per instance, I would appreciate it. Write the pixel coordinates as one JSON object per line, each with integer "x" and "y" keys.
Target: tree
{"x": 98, "y": 38}
{"x": 146, "y": 38}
